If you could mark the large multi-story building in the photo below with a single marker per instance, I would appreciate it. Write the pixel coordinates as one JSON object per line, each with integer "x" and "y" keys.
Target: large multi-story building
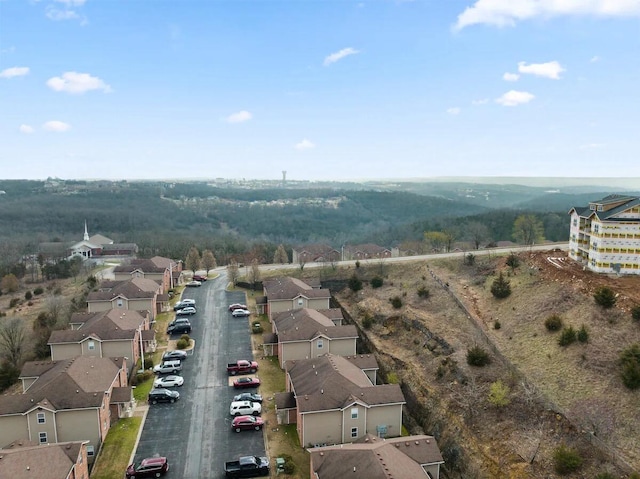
{"x": 605, "y": 236}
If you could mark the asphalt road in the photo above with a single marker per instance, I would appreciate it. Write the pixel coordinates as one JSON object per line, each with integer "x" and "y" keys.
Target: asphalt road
{"x": 195, "y": 433}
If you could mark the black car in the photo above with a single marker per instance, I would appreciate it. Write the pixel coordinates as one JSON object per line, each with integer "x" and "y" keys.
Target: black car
{"x": 163, "y": 395}
{"x": 175, "y": 354}
{"x": 179, "y": 326}
{"x": 251, "y": 397}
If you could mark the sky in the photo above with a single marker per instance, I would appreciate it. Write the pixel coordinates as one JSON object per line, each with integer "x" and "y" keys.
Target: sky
{"x": 322, "y": 89}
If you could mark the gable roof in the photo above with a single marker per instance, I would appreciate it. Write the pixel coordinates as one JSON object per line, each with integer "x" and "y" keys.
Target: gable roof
{"x": 48, "y": 461}
{"x": 290, "y": 288}
{"x": 306, "y": 324}
{"x": 611, "y": 205}
{"x": 332, "y": 313}
{"x": 368, "y": 249}
{"x": 104, "y": 325}
{"x": 376, "y": 458}
{"x": 74, "y": 383}
{"x": 315, "y": 250}
{"x": 334, "y": 382}
{"x": 130, "y": 289}
{"x": 100, "y": 240}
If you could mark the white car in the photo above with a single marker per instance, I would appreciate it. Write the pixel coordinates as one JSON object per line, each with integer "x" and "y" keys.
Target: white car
{"x": 186, "y": 311}
{"x": 193, "y": 283}
{"x": 245, "y": 408}
{"x": 168, "y": 382}
{"x": 239, "y": 313}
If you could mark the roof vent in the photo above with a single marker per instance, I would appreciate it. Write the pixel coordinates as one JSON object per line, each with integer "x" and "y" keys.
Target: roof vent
{"x": 417, "y": 443}
{"x": 321, "y": 453}
{"x": 316, "y": 373}
{"x": 406, "y": 444}
{"x": 322, "y": 391}
{"x": 354, "y": 468}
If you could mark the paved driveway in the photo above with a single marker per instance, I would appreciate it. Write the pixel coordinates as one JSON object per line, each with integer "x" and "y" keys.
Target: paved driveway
{"x": 195, "y": 433}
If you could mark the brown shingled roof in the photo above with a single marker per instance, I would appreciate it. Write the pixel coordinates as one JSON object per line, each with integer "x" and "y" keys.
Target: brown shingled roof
{"x": 290, "y": 288}
{"x": 106, "y": 325}
{"x": 50, "y": 461}
{"x": 376, "y": 458}
{"x": 133, "y": 288}
{"x": 306, "y": 324}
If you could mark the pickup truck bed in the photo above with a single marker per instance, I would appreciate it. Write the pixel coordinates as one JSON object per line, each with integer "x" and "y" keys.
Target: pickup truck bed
{"x": 247, "y": 466}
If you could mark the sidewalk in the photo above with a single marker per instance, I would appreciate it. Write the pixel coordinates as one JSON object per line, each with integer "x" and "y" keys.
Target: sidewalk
{"x": 139, "y": 411}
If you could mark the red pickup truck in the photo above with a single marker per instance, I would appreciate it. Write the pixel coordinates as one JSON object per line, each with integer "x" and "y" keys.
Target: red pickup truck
{"x": 242, "y": 366}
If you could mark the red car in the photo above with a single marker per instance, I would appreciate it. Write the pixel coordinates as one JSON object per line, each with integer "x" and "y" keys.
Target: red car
{"x": 149, "y": 467}
{"x": 234, "y": 306}
{"x": 245, "y": 423}
{"x": 197, "y": 277}
{"x": 246, "y": 382}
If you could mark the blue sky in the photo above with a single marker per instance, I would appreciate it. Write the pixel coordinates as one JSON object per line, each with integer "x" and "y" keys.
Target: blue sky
{"x": 326, "y": 90}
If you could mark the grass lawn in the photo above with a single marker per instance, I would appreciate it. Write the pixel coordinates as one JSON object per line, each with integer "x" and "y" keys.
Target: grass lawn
{"x": 116, "y": 449}
{"x": 141, "y": 392}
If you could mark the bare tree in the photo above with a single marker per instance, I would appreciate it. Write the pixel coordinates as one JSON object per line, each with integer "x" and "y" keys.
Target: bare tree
{"x": 192, "y": 261}
{"x": 233, "y": 271}
{"x": 208, "y": 260}
{"x": 450, "y": 236}
{"x": 253, "y": 274}
{"x": 281, "y": 256}
{"x": 436, "y": 240}
{"x": 57, "y": 308}
{"x": 477, "y": 233}
{"x": 527, "y": 230}
{"x": 9, "y": 283}
{"x": 12, "y": 341}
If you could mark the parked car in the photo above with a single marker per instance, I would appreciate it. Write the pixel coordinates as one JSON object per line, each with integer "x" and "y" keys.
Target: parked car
{"x": 247, "y": 466}
{"x": 163, "y": 395}
{"x": 168, "y": 367}
{"x": 242, "y": 366}
{"x": 186, "y": 311}
{"x": 237, "y": 306}
{"x": 168, "y": 381}
{"x": 175, "y": 354}
{"x": 245, "y": 423}
{"x": 192, "y": 284}
{"x": 184, "y": 303}
{"x": 248, "y": 397}
{"x": 246, "y": 382}
{"x": 238, "y": 313}
{"x": 179, "y": 326}
{"x": 245, "y": 408}
{"x": 149, "y": 467}
{"x": 198, "y": 277}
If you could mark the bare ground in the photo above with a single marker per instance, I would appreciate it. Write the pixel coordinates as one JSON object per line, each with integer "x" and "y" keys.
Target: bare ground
{"x": 570, "y": 395}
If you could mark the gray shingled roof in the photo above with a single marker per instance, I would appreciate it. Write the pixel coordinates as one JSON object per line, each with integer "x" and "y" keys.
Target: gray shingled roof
{"x": 376, "y": 458}
{"x": 333, "y": 382}
{"x": 104, "y": 325}
{"x": 131, "y": 289}
{"x": 332, "y": 313}
{"x": 290, "y": 288}
{"x": 144, "y": 265}
{"x": 50, "y": 461}
{"x": 306, "y": 324}
{"x": 70, "y": 384}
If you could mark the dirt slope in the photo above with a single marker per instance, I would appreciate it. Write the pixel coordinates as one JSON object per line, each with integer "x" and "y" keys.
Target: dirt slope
{"x": 569, "y": 395}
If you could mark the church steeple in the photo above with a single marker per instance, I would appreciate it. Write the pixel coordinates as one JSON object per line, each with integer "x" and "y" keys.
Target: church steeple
{"x": 86, "y": 233}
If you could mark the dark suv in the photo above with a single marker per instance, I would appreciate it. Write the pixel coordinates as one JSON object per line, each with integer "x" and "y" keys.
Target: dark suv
{"x": 179, "y": 326}
{"x": 163, "y": 395}
{"x": 150, "y": 467}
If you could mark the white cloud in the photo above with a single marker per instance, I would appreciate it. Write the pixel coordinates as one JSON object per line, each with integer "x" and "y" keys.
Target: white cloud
{"x": 72, "y": 3}
{"x": 77, "y": 83}
{"x": 503, "y": 13}
{"x": 26, "y": 129}
{"x": 594, "y": 59}
{"x": 592, "y": 146}
{"x": 510, "y": 76}
{"x": 548, "y": 70}
{"x": 515, "y": 98}
{"x": 334, "y": 57}
{"x": 304, "y": 145}
{"x": 481, "y": 101}
{"x": 57, "y": 126}
{"x": 454, "y": 110}
{"x": 58, "y": 15}
{"x": 239, "y": 117}
{"x": 14, "y": 72}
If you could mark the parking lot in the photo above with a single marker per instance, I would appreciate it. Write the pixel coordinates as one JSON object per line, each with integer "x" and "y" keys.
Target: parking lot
{"x": 195, "y": 432}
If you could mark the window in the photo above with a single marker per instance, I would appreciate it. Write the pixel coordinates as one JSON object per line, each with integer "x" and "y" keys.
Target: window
{"x": 92, "y": 345}
{"x": 42, "y": 437}
{"x": 41, "y": 418}
{"x": 90, "y": 451}
{"x": 320, "y": 344}
{"x": 354, "y": 432}
{"x": 354, "y": 413}
{"x": 120, "y": 303}
{"x": 300, "y": 302}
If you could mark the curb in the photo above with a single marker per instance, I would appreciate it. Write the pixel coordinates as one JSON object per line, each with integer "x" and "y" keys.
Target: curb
{"x": 144, "y": 418}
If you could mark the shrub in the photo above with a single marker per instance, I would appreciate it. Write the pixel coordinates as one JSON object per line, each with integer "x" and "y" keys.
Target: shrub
{"x": 182, "y": 343}
{"x": 14, "y": 302}
{"x": 289, "y": 466}
{"x": 355, "y": 284}
{"x": 470, "y": 259}
{"x": 367, "y": 322}
{"x": 423, "y": 292}
{"x": 501, "y": 287}
{"x": 583, "y": 334}
{"x": 513, "y": 261}
{"x": 477, "y": 356}
{"x": 148, "y": 361}
{"x": 357, "y": 264}
{"x": 605, "y": 475}
{"x": 38, "y": 291}
{"x": 376, "y": 282}
{"x": 499, "y": 394}
{"x": 553, "y": 323}
{"x": 396, "y": 302}
{"x": 567, "y": 336}
{"x": 185, "y": 337}
{"x": 630, "y": 366}
{"x": 635, "y": 313}
{"x": 28, "y": 295}
{"x": 605, "y": 297}
{"x": 496, "y": 324}
{"x": 566, "y": 460}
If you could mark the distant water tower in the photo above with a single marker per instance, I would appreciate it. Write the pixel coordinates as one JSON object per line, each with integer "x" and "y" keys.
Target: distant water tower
{"x": 284, "y": 178}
